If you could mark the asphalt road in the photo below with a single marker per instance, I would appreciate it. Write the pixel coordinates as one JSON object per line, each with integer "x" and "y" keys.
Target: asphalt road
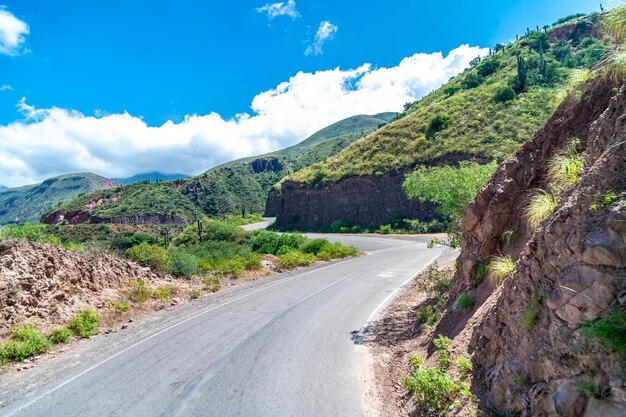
{"x": 284, "y": 346}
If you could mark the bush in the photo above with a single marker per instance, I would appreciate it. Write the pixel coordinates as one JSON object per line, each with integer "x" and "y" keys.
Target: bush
{"x": 426, "y": 316}
{"x": 85, "y": 323}
{"x": 471, "y": 81}
{"x": 139, "y": 291}
{"x": 565, "y": 168}
{"x": 542, "y": 204}
{"x": 499, "y": 268}
{"x": 252, "y": 262}
{"x": 336, "y": 251}
{"x": 464, "y": 302}
{"x": 480, "y": 272}
{"x": 233, "y": 266}
{"x": 431, "y": 387}
{"x": 195, "y": 294}
{"x": 293, "y": 260}
{"x": 464, "y": 366}
{"x": 163, "y": 294}
{"x": 437, "y": 124}
{"x": 314, "y": 246}
{"x": 31, "y": 232}
{"x": 435, "y": 280}
{"x": 182, "y": 264}
{"x": 265, "y": 242}
{"x": 488, "y": 67}
{"x": 60, "y": 335}
{"x": 153, "y": 256}
{"x": 504, "y": 94}
{"x": 212, "y": 282}
{"x": 26, "y": 341}
{"x": 121, "y": 305}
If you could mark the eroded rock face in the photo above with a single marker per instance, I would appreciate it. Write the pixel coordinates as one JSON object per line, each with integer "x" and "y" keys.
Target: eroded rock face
{"x": 570, "y": 271}
{"x": 79, "y": 217}
{"x": 357, "y": 201}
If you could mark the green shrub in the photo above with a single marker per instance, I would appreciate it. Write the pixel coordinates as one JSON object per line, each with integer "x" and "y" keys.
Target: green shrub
{"x": 417, "y": 361}
{"x": 542, "y": 204}
{"x": 182, "y": 264}
{"x": 529, "y": 318}
{"x": 252, "y": 262}
{"x": 195, "y": 294}
{"x": 435, "y": 280}
{"x": 465, "y": 302}
{"x": 593, "y": 389}
{"x": 265, "y": 242}
{"x": 293, "y": 260}
{"x": 139, "y": 291}
{"x": 60, "y": 335}
{"x": 153, "y": 256}
{"x": 163, "y": 294}
{"x": 84, "y": 323}
{"x": 211, "y": 230}
{"x": 233, "y": 266}
{"x": 499, "y": 268}
{"x": 337, "y": 251}
{"x": 426, "y": 316}
{"x": 464, "y": 366}
{"x": 432, "y": 387}
{"x": 480, "y": 273}
{"x": 442, "y": 343}
{"x": 25, "y": 341}
{"x": 609, "y": 331}
{"x": 31, "y": 232}
{"x": 437, "y": 124}
{"x": 130, "y": 239}
{"x": 504, "y": 94}
{"x": 314, "y": 246}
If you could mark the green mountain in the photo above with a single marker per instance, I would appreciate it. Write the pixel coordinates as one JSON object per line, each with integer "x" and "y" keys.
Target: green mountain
{"x": 28, "y": 203}
{"x": 227, "y": 188}
{"x": 485, "y": 113}
{"x": 151, "y": 176}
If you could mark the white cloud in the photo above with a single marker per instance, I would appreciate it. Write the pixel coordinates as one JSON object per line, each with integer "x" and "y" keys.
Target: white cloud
{"x": 54, "y": 141}
{"x": 326, "y": 31}
{"x": 280, "y": 9}
{"x": 6, "y": 87}
{"x": 12, "y": 34}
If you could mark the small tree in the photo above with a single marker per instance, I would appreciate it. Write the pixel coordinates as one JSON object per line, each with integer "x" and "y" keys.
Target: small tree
{"x": 437, "y": 124}
{"x": 504, "y": 94}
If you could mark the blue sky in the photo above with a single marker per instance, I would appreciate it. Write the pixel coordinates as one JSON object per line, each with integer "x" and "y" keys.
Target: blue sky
{"x": 138, "y": 64}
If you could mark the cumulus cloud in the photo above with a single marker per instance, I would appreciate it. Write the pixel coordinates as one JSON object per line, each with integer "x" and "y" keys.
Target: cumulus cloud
{"x": 279, "y": 9}
{"x": 6, "y": 87}
{"x": 325, "y": 32}
{"x": 12, "y": 33}
{"x": 53, "y": 141}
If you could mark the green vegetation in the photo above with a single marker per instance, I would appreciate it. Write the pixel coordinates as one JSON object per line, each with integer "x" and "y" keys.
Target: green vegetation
{"x": 480, "y": 273}
{"x": 84, "y": 323}
{"x": 25, "y": 341}
{"x": 294, "y": 259}
{"x": 608, "y": 199}
{"x": 60, "y": 335}
{"x": 453, "y": 188}
{"x": 163, "y": 294}
{"x": 195, "y": 294}
{"x": 593, "y": 389}
{"x": 28, "y": 203}
{"x": 121, "y": 305}
{"x": 464, "y": 366}
{"x": 531, "y": 314}
{"x": 435, "y": 280}
{"x": 139, "y": 291}
{"x": 31, "y": 232}
{"x": 541, "y": 205}
{"x": 434, "y": 387}
{"x": 565, "y": 168}
{"x": 609, "y": 332}
{"x": 212, "y": 282}
{"x": 182, "y": 264}
{"x": 465, "y": 302}
{"x": 426, "y": 317}
{"x": 500, "y": 268}
{"x": 152, "y": 256}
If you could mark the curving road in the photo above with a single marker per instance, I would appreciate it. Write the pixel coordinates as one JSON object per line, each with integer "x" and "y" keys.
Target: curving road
{"x": 284, "y": 346}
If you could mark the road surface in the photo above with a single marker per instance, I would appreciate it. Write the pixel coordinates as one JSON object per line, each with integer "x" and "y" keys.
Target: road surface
{"x": 284, "y": 346}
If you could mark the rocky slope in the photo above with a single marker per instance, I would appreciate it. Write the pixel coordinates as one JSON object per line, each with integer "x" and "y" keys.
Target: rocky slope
{"x": 28, "y": 203}
{"x": 526, "y": 336}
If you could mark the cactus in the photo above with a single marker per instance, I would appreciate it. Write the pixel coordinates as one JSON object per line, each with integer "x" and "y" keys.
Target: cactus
{"x": 167, "y": 239}
{"x": 520, "y": 81}
{"x": 199, "y": 223}
{"x": 243, "y": 211}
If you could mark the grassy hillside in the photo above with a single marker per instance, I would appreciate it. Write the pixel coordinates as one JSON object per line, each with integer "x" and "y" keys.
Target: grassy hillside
{"x": 228, "y": 187}
{"x": 151, "y": 176}
{"x": 28, "y": 203}
{"x": 483, "y": 114}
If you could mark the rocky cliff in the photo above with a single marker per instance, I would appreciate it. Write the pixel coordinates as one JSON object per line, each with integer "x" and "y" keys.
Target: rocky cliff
{"x": 527, "y": 335}
{"x": 364, "y": 200}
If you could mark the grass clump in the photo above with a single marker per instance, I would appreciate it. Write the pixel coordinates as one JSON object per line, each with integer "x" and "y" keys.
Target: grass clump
{"x": 25, "y": 342}
{"x": 436, "y": 280}
{"x": 433, "y": 386}
{"x": 212, "y": 282}
{"x": 85, "y": 323}
{"x": 609, "y": 332}
{"x": 565, "y": 168}
{"x": 60, "y": 335}
{"x": 195, "y": 294}
{"x": 121, "y": 305}
{"x": 464, "y": 302}
{"x": 499, "y": 268}
{"x": 139, "y": 291}
{"x": 163, "y": 294}
{"x": 593, "y": 389}
{"x": 480, "y": 273}
{"x": 426, "y": 316}
{"x": 541, "y": 205}
{"x": 293, "y": 260}
{"x": 464, "y": 366}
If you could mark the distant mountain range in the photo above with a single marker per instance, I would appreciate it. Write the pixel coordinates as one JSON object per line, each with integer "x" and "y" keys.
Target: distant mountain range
{"x": 152, "y": 176}
{"x": 3, "y": 187}
{"x": 227, "y": 188}
{"x": 28, "y": 203}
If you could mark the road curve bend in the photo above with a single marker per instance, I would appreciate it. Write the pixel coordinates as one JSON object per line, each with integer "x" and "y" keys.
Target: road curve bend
{"x": 284, "y": 346}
